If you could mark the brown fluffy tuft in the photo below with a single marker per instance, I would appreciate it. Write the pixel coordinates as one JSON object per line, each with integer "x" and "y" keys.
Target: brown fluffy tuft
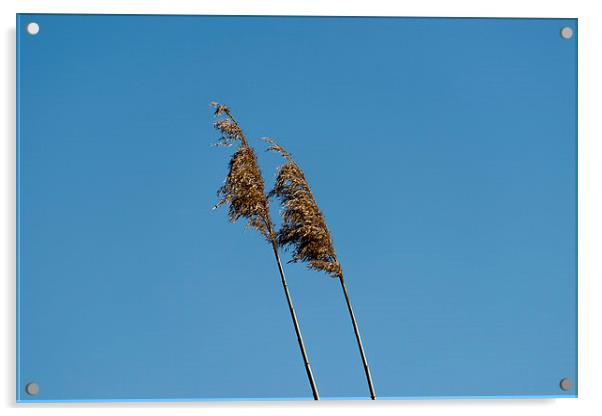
{"x": 243, "y": 189}
{"x": 304, "y": 228}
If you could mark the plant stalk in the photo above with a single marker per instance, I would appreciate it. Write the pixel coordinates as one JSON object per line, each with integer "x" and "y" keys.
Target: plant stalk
{"x": 310, "y": 375}
{"x": 359, "y": 340}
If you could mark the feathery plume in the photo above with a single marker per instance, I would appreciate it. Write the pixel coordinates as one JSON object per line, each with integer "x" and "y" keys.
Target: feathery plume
{"x": 243, "y": 189}
{"x": 304, "y": 229}
{"x": 244, "y": 192}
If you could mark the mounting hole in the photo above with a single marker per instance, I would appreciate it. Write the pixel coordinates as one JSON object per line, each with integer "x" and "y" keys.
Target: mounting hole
{"x": 32, "y": 389}
{"x": 33, "y": 28}
{"x": 566, "y": 384}
{"x": 566, "y": 32}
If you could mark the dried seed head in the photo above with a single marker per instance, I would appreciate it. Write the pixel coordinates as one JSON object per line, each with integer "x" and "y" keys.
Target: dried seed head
{"x": 227, "y": 125}
{"x": 304, "y": 228}
{"x": 243, "y": 189}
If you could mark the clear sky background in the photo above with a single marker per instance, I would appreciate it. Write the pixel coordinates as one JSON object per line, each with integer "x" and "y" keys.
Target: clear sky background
{"x": 441, "y": 151}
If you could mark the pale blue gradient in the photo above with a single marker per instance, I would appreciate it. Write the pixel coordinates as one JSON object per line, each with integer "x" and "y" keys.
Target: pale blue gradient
{"x": 441, "y": 151}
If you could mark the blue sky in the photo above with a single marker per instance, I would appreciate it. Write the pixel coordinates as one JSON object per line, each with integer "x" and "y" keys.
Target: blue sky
{"x": 441, "y": 151}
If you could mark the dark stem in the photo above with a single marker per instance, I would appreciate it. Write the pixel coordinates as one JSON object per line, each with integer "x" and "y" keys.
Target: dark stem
{"x": 310, "y": 375}
{"x": 359, "y": 340}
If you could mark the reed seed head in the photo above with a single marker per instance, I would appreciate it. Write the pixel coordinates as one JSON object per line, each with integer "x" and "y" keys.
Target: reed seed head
{"x": 243, "y": 189}
{"x": 304, "y": 228}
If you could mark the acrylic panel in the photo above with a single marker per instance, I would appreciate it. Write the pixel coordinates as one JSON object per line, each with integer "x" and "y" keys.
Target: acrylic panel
{"x": 440, "y": 155}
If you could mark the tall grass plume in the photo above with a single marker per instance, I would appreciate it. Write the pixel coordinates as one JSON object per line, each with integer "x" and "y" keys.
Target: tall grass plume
{"x": 243, "y": 189}
{"x": 244, "y": 193}
{"x": 304, "y": 230}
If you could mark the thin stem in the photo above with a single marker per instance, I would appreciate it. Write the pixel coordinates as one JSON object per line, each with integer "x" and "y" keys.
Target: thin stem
{"x": 359, "y": 340}
{"x": 310, "y": 375}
